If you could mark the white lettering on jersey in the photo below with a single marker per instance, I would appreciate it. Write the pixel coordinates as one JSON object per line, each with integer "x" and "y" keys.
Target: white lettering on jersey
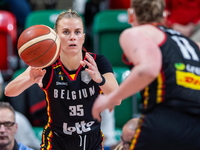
{"x": 62, "y": 94}
{"x": 55, "y": 93}
{"x": 79, "y": 127}
{"x": 73, "y": 95}
{"x": 92, "y": 90}
{"x": 186, "y": 49}
{"x": 193, "y": 69}
{"x": 61, "y": 83}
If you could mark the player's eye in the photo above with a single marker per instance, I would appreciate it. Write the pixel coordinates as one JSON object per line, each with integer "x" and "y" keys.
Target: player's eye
{"x": 66, "y": 32}
{"x": 77, "y": 32}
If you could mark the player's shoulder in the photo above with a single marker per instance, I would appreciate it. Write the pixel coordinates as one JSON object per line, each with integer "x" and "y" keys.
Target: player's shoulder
{"x": 145, "y": 32}
{"x": 141, "y": 30}
{"x": 133, "y": 32}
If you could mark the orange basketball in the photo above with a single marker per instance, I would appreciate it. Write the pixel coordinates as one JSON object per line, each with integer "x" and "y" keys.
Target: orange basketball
{"x": 39, "y": 46}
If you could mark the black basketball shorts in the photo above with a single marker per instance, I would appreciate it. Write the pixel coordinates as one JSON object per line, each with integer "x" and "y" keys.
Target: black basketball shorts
{"x": 53, "y": 141}
{"x": 167, "y": 129}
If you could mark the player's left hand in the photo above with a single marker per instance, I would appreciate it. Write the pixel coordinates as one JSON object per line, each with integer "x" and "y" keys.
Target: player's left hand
{"x": 92, "y": 68}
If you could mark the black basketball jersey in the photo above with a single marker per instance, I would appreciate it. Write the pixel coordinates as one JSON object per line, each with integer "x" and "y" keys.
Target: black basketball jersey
{"x": 178, "y": 84}
{"x": 70, "y": 96}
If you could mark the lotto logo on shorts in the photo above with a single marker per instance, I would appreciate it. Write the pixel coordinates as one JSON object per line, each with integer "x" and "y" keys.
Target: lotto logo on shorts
{"x": 188, "y": 80}
{"x": 79, "y": 127}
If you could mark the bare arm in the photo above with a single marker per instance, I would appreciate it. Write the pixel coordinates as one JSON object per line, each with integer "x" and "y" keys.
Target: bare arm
{"x": 144, "y": 53}
{"x": 184, "y": 29}
{"x": 146, "y": 57}
{"x": 29, "y": 77}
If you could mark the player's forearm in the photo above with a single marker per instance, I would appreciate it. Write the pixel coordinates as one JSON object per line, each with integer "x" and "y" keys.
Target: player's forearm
{"x": 137, "y": 80}
{"x": 18, "y": 85}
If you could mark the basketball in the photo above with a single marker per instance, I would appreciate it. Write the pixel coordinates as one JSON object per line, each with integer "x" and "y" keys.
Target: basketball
{"x": 39, "y": 46}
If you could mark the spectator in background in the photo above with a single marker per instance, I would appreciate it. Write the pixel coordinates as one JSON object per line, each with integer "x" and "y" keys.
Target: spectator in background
{"x": 26, "y": 134}
{"x": 184, "y": 16}
{"x": 92, "y": 7}
{"x": 128, "y": 132}
{"x": 23, "y": 125}
{"x": 30, "y": 105}
{"x": 8, "y": 129}
{"x": 20, "y": 9}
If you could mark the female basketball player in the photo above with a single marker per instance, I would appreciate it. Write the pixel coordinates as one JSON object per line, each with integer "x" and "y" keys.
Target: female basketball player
{"x": 71, "y": 85}
{"x": 167, "y": 72}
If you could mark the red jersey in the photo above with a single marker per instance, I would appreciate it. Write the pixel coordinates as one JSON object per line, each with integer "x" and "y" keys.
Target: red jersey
{"x": 183, "y": 11}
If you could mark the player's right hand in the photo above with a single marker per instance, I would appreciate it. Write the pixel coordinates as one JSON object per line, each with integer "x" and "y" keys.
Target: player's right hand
{"x": 37, "y": 74}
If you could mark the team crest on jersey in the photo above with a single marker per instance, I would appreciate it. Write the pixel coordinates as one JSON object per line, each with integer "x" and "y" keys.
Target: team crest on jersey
{"x": 61, "y": 75}
{"x": 85, "y": 77}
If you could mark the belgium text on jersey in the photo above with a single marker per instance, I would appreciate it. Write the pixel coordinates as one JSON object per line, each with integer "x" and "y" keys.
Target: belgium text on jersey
{"x": 73, "y": 95}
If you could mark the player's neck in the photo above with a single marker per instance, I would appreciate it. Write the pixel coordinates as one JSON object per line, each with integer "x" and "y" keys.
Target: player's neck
{"x": 71, "y": 63}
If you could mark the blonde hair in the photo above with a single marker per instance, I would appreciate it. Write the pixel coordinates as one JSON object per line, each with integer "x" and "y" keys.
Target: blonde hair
{"x": 69, "y": 15}
{"x": 148, "y": 11}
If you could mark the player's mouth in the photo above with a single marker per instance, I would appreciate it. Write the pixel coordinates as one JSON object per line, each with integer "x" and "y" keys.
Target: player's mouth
{"x": 72, "y": 45}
